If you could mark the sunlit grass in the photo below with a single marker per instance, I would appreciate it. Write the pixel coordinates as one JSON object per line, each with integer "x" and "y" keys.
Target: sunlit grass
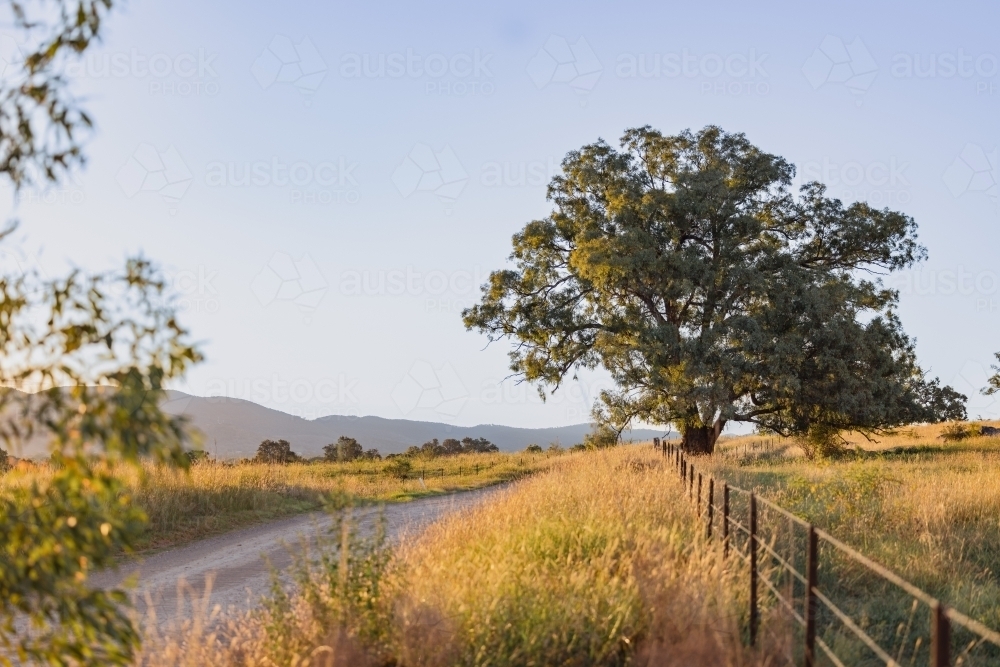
{"x": 596, "y": 561}
{"x": 926, "y": 508}
{"x": 213, "y": 497}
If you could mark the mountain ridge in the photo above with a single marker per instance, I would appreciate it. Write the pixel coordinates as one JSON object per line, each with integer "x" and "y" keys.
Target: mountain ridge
{"x": 233, "y": 427}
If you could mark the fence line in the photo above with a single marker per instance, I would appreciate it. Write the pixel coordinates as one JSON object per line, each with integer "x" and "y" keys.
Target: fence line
{"x": 942, "y": 618}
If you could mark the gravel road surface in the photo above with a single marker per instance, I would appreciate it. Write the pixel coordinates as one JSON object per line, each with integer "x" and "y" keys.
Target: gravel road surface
{"x": 234, "y": 561}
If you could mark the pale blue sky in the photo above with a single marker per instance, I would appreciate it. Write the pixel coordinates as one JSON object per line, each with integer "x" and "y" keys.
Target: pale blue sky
{"x": 328, "y": 183}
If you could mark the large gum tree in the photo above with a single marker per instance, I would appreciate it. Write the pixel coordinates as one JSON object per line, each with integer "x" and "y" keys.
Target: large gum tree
{"x": 687, "y": 268}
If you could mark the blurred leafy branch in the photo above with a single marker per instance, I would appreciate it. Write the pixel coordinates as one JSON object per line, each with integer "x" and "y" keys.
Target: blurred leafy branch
{"x": 84, "y": 363}
{"x": 41, "y": 122}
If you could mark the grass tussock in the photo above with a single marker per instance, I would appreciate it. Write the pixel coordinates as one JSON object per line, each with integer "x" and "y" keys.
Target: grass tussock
{"x": 596, "y": 561}
{"x": 213, "y": 497}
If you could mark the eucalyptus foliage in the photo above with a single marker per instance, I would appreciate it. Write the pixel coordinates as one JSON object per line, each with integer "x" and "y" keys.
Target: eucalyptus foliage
{"x": 687, "y": 268}
{"x": 84, "y": 362}
{"x": 993, "y": 382}
{"x": 41, "y": 123}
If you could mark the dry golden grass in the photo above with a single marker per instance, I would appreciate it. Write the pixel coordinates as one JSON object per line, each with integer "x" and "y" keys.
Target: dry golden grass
{"x": 923, "y": 436}
{"x": 926, "y": 508}
{"x": 596, "y": 561}
{"x": 599, "y": 561}
{"x": 214, "y": 497}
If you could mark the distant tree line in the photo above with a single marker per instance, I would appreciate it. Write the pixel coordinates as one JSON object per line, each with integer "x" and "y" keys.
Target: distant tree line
{"x": 349, "y": 449}
{"x": 452, "y": 447}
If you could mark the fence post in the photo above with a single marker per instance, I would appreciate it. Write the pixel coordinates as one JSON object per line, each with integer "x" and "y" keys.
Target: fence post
{"x": 711, "y": 505}
{"x": 790, "y": 584}
{"x": 812, "y": 562}
{"x": 725, "y": 519}
{"x": 753, "y": 569}
{"x": 699, "y": 494}
{"x": 690, "y": 481}
{"x": 940, "y": 637}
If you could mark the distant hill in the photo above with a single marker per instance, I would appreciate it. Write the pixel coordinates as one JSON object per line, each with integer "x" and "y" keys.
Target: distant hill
{"x": 233, "y": 428}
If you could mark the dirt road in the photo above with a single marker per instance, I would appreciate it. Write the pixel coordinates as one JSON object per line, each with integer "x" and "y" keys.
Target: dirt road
{"x": 235, "y": 563}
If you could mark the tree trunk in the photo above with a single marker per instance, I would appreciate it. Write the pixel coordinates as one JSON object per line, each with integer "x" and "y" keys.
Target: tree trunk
{"x": 700, "y": 439}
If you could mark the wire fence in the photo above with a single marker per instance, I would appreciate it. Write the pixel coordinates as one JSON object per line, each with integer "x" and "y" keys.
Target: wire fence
{"x": 846, "y": 609}
{"x": 753, "y": 449}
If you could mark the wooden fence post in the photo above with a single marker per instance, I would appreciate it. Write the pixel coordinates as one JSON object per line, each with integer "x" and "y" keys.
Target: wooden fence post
{"x": 711, "y": 505}
{"x": 940, "y": 637}
{"x": 690, "y": 481}
{"x": 812, "y": 563}
{"x": 725, "y": 519}
{"x": 699, "y": 494}
{"x": 790, "y": 556}
{"x": 753, "y": 569}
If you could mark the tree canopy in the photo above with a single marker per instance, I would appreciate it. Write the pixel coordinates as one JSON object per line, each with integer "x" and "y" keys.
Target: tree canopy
{"x": 276, "y": 451}
{"x": 685, "y": 267}
{"x": 993, "y": 382}
{"x": 345, "y": 449}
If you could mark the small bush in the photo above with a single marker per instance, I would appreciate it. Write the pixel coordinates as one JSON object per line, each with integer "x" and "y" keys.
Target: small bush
{"x": 822, "y": 441}
{"x": 533, "y": 449}
{"x": 601, "y": 437}
{"x": 197, "y": 456}
{"x": 956, "y": 431}
{"x": 398, "y": 467}
{"x": 338, "y": 586}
